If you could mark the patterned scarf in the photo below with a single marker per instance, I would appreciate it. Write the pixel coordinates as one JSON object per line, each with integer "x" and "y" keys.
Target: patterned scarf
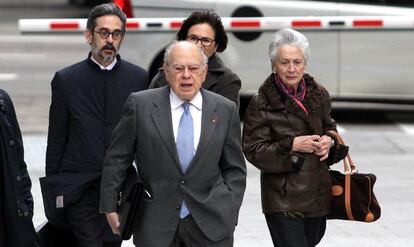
{"x": 297, "y": 96}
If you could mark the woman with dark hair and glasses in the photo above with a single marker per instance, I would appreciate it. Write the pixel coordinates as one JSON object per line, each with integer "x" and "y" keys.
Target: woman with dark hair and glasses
{"x": 206, "y": 30}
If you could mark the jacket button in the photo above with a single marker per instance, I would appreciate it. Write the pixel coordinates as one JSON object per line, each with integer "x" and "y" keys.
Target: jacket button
{"x": 26, "y": 214}
{"x": 11, "y": 142}
{"x": 18, "y": 178}
{"x": 178, "y": 206}
{"x": 182, "y": 182}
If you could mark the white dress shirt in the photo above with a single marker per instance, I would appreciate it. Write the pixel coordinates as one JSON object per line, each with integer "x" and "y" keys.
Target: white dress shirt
{"x": 177, "y": 110}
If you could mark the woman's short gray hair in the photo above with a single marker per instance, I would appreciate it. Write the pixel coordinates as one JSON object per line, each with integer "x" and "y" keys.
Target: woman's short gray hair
{"x": 288, "y": 36}
{"x": 167, "y": 54}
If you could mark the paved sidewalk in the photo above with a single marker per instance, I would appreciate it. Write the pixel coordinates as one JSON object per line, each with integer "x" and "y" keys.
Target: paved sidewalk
{"x": 394, "y": 190}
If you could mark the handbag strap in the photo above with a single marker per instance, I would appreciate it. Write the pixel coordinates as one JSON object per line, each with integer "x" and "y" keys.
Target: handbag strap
{"x": 349, "y": 169}
{"x": 348, "y": 196}
{"x": 349, "y": 166}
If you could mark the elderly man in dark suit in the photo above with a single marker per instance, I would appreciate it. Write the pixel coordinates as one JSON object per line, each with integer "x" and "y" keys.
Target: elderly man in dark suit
{"x": 186, "y": 144}
{"x": 87, "y": 101}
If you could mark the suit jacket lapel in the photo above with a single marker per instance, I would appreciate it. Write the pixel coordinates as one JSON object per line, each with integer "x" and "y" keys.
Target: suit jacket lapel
{"x": 208, "y": 124}
{"x": 161, "y": 116}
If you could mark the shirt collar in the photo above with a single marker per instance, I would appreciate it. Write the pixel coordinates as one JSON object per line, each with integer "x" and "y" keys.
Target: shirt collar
{"x": 109, "y": 67}
{"x": 176, "y": 102}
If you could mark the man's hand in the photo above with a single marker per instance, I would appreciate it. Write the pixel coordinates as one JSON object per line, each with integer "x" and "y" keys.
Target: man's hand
{"x": 306, "y": 144}
{"x": 113, "y": 220}
{"x": 323, "y": 150}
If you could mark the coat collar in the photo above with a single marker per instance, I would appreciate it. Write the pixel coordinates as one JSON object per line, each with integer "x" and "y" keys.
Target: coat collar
{"x": 215, "y": 70}
{"x": 209, "y": 122}
{"x": 273, "y": 99}
{"x": 161, "y": 117}
{"x": 215, "y": 64}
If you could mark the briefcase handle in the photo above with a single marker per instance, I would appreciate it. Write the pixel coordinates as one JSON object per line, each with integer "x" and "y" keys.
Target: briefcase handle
{"x": 349, "y": 166}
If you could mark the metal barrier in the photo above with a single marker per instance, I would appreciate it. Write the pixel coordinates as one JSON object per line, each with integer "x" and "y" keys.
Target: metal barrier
{"x": 231, "y": 24}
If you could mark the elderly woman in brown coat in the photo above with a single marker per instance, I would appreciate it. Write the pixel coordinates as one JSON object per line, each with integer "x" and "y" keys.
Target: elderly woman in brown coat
{"x": 286, "y": 135}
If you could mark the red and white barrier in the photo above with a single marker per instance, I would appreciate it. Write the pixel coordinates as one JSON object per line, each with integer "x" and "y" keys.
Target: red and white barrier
{"x": 231, "y": 24}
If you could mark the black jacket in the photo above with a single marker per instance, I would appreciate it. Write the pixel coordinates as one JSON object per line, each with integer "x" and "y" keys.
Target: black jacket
{"x": 17, "y": 201}
{"x": 86, "y": 105}
{"x": 219, "y": 79}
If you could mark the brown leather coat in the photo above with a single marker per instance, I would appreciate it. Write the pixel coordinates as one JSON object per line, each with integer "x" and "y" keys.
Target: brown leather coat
{"x": 291, "y": 182}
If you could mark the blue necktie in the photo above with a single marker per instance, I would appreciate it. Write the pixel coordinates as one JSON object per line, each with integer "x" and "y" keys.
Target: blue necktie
{"x": 185, "y": 146}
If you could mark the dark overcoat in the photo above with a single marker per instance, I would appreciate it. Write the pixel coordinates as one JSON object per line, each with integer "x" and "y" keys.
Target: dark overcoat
{"x": 17, "y": 200}
{"x": 86, "y": 106}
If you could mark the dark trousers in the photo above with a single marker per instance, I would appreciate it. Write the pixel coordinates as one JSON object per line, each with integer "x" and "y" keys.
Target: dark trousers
{"x": 288, "y": 231}
{"x": 89, "y": 226}
{"x": 188, "y": 234}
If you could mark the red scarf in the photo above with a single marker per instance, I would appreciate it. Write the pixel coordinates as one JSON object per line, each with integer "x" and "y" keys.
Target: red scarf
{"x": 298, "y": 96}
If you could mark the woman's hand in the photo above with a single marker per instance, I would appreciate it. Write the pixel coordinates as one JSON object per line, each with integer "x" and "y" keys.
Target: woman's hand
{"x": 306, "y": 144}
{"x": 319, "y": 145}
{"x": 325, "y": 144}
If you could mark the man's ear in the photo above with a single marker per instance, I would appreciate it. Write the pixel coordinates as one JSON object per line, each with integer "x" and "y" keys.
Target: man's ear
{"x": 88, "y": 36}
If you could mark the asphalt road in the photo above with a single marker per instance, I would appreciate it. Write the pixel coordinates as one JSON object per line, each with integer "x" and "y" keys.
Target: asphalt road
{"x": 382, "y": 142}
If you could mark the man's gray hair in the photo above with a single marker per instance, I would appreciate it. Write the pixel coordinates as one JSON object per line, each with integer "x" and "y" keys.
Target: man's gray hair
{"x": 288, "y": 36}
{"x": 102, "y": 10}
{"x": 167, "y": 54}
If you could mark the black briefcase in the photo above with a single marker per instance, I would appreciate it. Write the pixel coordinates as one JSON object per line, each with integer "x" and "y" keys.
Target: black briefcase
{"x": 130, "y": 203}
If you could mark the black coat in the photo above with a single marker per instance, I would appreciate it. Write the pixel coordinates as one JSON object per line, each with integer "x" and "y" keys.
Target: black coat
{"x": 86, "y": 105}
{"x": 17, "y": 200}
{"x": 219, "y": 80}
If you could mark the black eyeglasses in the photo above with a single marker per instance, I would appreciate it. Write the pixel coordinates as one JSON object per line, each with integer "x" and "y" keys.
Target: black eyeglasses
{"x": 206, "y": 42}
{"x": 104, "y": 34}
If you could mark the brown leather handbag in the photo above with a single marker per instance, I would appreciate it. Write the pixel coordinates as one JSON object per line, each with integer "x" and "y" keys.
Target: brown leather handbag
{"x": 353, "y": 195}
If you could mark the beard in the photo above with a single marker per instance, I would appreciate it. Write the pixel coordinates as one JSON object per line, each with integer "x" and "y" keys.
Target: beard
{"x": 103, "y": 55}
{"x": 108, "y": 57}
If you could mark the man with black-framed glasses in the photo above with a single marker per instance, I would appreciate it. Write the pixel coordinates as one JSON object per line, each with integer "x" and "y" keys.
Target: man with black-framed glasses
{"x": 87, "y": 101}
